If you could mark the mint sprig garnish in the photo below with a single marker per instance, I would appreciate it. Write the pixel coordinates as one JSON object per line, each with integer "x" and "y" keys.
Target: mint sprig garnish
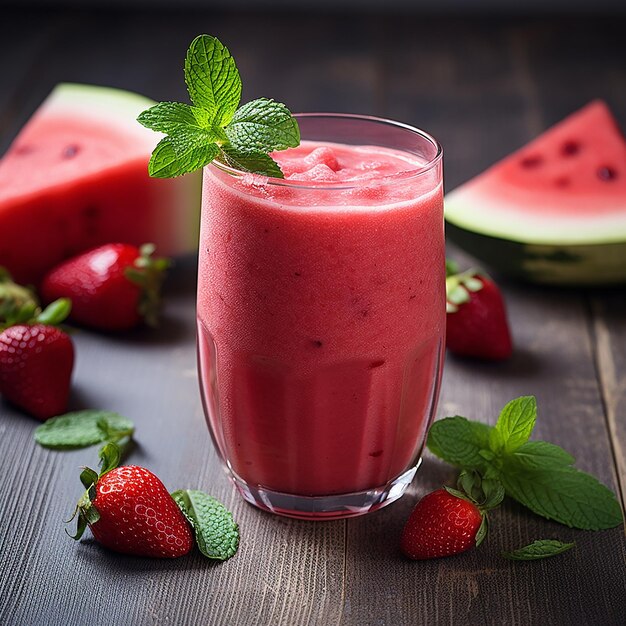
{"x": 217, "y": 534}
{"x": 81, "y": 429}
{"x": 539, "y": 549}
{"x": 214, "y": 127}
{"x": 538, "y": 474}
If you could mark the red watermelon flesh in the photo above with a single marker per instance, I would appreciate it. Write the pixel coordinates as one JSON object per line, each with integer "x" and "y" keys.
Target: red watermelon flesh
{"x": 76, "y": 177}
{"x": 567, "y": 186}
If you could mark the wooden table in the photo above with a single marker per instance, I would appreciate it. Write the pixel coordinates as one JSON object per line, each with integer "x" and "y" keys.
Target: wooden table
{"x": 483, "y": 87}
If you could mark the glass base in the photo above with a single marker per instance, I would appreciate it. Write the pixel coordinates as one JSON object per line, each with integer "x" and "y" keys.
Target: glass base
{"x": 338, "y": 506}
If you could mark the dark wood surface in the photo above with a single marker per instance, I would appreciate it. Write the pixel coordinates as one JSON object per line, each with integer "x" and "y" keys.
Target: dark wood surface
{"x": 483, "y": 87}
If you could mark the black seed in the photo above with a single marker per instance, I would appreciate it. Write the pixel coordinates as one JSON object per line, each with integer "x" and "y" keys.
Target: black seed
{"x": 570, "y": 148}
{"x": 376, "y": 454}
{"x": 531, "y": 161}
{"x": 297, "y": 274}
{"x": 317, "y": 343}
{"x": 607, "y": 173}
{"x": 70, "y": 151}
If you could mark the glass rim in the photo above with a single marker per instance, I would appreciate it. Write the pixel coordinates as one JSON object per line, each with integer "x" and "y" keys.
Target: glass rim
{"x": 343, "y": 185}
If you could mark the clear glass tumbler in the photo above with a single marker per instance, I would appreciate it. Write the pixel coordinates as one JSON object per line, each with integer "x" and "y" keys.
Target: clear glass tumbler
{"x": 321, "y": 321}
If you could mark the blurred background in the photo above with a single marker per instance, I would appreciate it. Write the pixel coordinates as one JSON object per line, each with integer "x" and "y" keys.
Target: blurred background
{"x": 483, "y": 76}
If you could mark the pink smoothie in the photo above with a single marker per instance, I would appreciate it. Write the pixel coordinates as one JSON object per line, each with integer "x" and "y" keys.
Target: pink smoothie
{"x": 321, "y": 313}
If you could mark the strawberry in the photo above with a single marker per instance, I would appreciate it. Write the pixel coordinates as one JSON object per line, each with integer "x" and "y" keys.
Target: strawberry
{"x": 129, "y": 510}
{"x": 476, "y": 323}
{"x": 35, "y": 368}
{"x": 112, "y": 287}
{"x": 442, "y": 524}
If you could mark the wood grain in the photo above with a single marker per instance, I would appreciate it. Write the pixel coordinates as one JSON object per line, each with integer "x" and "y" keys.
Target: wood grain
{"x": 483, "y": 88}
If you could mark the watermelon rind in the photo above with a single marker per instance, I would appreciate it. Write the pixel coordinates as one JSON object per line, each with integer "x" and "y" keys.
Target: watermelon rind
{"x": 549, "y": 264}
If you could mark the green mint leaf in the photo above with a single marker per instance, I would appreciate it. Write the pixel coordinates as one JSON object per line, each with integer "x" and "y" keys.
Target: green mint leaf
{"x": 541, "y": 455}
{"x": 539, "y": 549}
{"x": 81, "y": 429}
{"x": 212, "y": 78}
{"x": 262, "y": 126}
{"x": 563, "y": 494}
{"x": 182, "y": 153}
{"x": 516, "y": 422}
{"x": 496, "y": 441}
{"x": 217, "y": 535}
{"x": 459, "y": 441}
{"x": 260, "y": 163}
{"x": 168, "y": 117}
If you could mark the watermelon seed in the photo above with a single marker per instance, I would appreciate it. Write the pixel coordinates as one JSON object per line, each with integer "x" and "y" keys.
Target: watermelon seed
{"x": 570, "y": 148}
{"x": 70, "y": 151}
{"x": 606, "y": 173}
{"x": 562, "y": 182}
{"x": 531, "y": 161}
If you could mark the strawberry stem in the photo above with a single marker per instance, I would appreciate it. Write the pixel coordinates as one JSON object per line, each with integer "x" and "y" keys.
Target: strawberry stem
{"x": 148, "y": 273}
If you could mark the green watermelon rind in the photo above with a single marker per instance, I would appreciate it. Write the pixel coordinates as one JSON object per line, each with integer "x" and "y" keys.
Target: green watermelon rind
{"x": 550, "y": 264}
{"x": 101, "y": 102}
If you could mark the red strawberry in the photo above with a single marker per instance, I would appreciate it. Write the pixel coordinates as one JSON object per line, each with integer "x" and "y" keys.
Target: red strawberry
{"x": 476, "y": 321}
{"x": 129, "y": 510}
{"x": 112, "y": 287}
{"x": 36, "y": 364}
{"x": 441, "y": 524}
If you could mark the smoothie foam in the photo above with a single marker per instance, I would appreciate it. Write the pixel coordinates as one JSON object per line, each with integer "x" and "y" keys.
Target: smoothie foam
{"x": 321, "y": 319}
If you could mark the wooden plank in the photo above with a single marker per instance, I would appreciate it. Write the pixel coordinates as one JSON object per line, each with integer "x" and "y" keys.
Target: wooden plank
{"x": 608, "y": 312}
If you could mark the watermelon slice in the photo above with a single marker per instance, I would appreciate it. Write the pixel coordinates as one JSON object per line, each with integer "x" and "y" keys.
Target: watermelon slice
{"x": 555, "y": 210}
{"x": 76, "y": 177}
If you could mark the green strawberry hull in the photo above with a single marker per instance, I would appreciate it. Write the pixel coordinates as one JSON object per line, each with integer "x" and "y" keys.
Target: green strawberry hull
{"x": 550, "y": 264}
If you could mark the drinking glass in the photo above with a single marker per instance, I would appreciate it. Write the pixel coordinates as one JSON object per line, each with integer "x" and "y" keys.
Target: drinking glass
{"x": 321, "y": 322}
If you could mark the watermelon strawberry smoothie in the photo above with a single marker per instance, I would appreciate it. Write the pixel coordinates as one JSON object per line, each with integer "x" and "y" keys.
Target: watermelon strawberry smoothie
{"x": 321, "y": 315}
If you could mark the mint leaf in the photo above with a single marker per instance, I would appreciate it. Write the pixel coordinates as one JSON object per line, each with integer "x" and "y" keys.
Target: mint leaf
{"x": 563, "y": 494}
{"x": 243, "y": 138}
{"x": 168, "y": 117}
{"x": 181, "y": 153}
{"x": 460, "y": 441}
{"x": 217, "y": 535}
{"x": 255, "y": 163}
{"x": 262, "y": 126}
{"x": 212, "y": 78}
{"x": 82, "y": 428}
{"x": 516, "y": 422}
{"x": 539, "y": 549}
{"x": 541, "y": 455}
